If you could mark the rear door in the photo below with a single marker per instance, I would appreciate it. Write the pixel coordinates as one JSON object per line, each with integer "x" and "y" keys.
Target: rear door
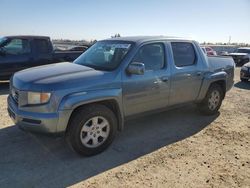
{"x": 150, "y": 91}
{"x": 187, "y": 73}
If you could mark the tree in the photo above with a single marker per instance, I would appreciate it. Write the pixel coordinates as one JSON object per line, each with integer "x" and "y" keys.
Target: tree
{"x": 116, "y": 35}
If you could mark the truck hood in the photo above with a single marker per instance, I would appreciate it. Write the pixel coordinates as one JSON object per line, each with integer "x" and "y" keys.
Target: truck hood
{"x": 61, "y": 76}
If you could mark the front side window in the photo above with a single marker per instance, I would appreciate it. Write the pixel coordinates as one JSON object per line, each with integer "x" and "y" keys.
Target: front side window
{"x": 104, "y": 55}
{"x": 184, "y": 54}
{"x": 16, "y": 46}
{"x": 152, "y": 55}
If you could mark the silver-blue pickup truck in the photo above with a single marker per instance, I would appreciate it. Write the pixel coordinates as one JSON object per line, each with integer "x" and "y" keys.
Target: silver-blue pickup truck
{"x": 89, "y": 100}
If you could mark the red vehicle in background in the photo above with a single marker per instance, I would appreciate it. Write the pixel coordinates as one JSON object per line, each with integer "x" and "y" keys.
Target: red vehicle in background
{"x": 208, "y": 50}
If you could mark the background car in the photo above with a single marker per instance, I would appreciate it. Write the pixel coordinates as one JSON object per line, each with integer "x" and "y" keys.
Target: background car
{"x": 245, "y": 72}
{"x": 78, "y": 48}
{"x": 224, "y": 53}
{"x": 241, "y": 56}
{"x": 208, "y": 50}
{"x": 22, "y": 52}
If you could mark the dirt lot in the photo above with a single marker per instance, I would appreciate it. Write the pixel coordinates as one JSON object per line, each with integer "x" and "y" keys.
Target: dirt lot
{"x": 177, "y": 148}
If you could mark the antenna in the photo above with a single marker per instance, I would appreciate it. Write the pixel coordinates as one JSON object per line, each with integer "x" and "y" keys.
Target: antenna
{"x": 229, "y": 40}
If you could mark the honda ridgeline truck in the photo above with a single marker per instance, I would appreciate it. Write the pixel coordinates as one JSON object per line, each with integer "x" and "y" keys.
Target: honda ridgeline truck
{"x": 90, "y": 99}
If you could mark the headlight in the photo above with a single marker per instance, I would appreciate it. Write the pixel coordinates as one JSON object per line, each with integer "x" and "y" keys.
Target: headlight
{"x": 38, "y": 98}
{"x": 244, "y": 68}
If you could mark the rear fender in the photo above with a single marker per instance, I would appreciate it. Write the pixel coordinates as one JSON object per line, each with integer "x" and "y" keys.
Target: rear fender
{"x": 208, "y": 80}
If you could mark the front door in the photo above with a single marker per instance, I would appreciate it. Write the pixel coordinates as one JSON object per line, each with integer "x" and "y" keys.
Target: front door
{"x": 15, "y": 56}
{"x": 150, "y": 91}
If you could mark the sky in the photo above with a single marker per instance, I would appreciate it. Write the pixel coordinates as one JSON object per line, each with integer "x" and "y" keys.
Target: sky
{"x": 202, "y": 20}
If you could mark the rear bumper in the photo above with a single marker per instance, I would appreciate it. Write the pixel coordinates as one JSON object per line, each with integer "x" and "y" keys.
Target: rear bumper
{"x": 37, "y": 122}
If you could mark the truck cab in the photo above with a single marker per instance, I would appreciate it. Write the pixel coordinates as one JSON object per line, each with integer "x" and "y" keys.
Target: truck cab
{"x": 22, "y": 52}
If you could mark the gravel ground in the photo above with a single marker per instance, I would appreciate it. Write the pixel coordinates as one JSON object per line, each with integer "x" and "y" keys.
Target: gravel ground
{"x": 177, "y": 148}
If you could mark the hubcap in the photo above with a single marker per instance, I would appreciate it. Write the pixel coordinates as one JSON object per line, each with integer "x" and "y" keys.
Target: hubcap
{"x": 214, "y": 100}
{"x": 95, "y": 131}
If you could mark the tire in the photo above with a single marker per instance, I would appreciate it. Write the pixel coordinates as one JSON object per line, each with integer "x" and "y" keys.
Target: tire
{"x": 87, "y": 133}
{"x": 212, "y": 102}
{"x": 243, "y": 79}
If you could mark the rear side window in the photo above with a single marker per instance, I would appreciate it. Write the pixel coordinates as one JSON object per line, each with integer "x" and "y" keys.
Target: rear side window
{"x": 42, "y": 46}
{"x": 152, "y": 55}
{"x": 184, "y": 54}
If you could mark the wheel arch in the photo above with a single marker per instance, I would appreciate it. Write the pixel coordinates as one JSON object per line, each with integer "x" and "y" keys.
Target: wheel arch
{"x": 216, "y": 78}
{"x": 112, "y": 104}
{"x": 222, "y": 84}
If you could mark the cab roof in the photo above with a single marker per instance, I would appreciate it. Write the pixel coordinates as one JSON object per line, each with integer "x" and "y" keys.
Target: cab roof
{"x": 141, "y": 39}
{"x": 28, "y": 37}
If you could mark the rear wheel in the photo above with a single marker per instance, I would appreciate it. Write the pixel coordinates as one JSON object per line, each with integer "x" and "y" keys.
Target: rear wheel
{"x": 91, "y": 129}
{"x": 212, "y": 102}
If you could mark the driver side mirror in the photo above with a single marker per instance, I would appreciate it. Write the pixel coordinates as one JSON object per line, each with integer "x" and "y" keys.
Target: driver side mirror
{"x": 136, "y": 68}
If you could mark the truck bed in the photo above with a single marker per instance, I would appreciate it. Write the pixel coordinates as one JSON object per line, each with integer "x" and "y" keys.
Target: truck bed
{"x": 220, "y": 62}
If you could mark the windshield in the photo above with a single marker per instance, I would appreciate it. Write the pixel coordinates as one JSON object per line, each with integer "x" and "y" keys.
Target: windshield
{"x": 243, "y": 51}
{"x": 104, "y": 55}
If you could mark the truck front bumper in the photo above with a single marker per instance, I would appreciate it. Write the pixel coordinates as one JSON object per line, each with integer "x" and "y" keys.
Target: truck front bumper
{"x": 37, "y": 122}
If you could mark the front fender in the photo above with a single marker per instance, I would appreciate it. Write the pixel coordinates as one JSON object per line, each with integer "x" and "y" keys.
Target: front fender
{"x": 208, "y": 80}
{"x": 74, "y": 100}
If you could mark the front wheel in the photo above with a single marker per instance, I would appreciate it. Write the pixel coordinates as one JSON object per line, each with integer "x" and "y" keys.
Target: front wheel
{"x": 212, "y": 102}
{"x": 91, "y": 129}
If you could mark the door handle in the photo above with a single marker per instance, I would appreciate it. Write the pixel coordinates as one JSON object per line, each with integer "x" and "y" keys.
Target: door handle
{"x": 164, "y": 78}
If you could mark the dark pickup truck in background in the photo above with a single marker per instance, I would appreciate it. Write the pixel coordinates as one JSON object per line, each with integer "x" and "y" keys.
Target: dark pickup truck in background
{"x": 21, "y": 52}
{"x": 241, "y": 56}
